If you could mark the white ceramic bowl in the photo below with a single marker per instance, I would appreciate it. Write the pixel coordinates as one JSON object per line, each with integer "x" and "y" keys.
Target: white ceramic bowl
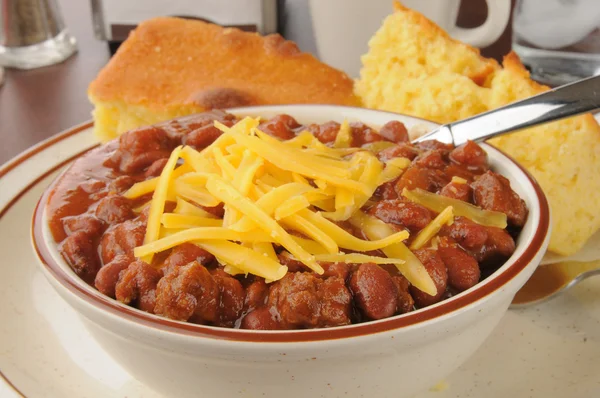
{"x": 394, "y": 357}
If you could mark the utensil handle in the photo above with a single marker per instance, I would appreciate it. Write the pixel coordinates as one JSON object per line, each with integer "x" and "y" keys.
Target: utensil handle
{"x": 569, "y": 100}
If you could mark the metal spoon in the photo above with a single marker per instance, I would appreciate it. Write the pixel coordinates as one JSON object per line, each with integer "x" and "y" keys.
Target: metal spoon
{"x": 569, "y": 100}
{"x": 549, "y": 281}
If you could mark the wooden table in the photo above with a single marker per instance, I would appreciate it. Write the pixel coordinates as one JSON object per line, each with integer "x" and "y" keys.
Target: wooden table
{"x": 39, "y": 103}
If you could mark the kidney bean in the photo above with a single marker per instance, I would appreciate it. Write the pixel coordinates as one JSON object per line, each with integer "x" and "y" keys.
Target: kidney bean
{"x": 139, "y": 148}
{"x": 394, "y": 131}
{"x": 402, "y": 150}
{"x": 403, "y": 213}
{"x": 231, "y": 298}
{"x": 326, "y": 132}
{"x": 498, "y": 246}
{"x": 458, "y": 191}
{"x": 185, "y": 254}
{"x": 463, "y": 270}
{"x": 492, "y": 191}
{"x": 466, "y": 233}
{"x": 433, "y": 159}
{"x": 461, "y": 171}
{"x": 428, "y": 145}
{"x": 387, "y": 190}
{"x": 83, "y": 222}
{"x": 156, "y": 168}
{"x": 289, "y": 261}
{"x": 277, "y": 128}
{"x": 217, "y": 211}
{"x": 114, "y": 209}
{"x": 79, "y": 251}
{"x": 138, "y": 283}
{"x": 437, "y": 271}
{"x": 256, "y": 294}
{"x": 261, "y": 319}
{"x": 363, "y": 134}
{"x": 469, "y": 154}
{"x": 108, "y": 276}
{"x": 121, "y": 184}
{"x": 186, "y": 293}
{"x": 418, "y": 177}
{"x": 375, "y": 293}
{"x": 406, "y": 302}
{"x": 202, "y": 136}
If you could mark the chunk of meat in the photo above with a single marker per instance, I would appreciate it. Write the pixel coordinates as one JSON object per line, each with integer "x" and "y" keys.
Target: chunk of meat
{"x": 470, "y": 155}
{"x": 185, "y": 254}
{"x": 437, "y": 271}
{"x": 231, "y": 298}
{"x": 431, "y": 180}
{"x": 83, "y": 222}
{"x": 405, "y": 302}
{"x": 456, "y": 190}
{"x": 137, "y": 284}
{"x": 79, "y": 251}
{"x": 121, "y": 239}
{"x": 189, "y": 293}
{"x": 374, "y": 290}
{"x": 263, "y": 318}
{"x": 326, "y": 132}
{"x": 394, "y": 131}
{"x": 403, "y": 213}
{"x": 432, "y": 159}
{"x": 141, "y": 147}
{"x": 335, "y": 302}
{"x": 281, "y": 126}
{"x": 202, "y": 137}
{"x": 341, "y": 270}
{"x": 302, "y": 300}
{"x": 461, "y": 171}
{"x": 492, "y": 191}
{"x": 463, "y": 269}
{"x": 114, "y": 209}
{"x": 156, "y": 168}
{"x": 108, "y": 276}
{"x": 363, "y": 134}
{"x": 466, "y": 233}
{"x": 402, "y": 150}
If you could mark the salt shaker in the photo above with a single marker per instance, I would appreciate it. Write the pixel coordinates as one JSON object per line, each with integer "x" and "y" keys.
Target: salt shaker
{"x": 33, "y": 34}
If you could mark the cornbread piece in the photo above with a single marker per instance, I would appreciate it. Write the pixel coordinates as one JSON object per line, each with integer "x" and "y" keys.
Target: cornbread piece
{"x": 414, "y": 67}
{"x": 170, "y": 67}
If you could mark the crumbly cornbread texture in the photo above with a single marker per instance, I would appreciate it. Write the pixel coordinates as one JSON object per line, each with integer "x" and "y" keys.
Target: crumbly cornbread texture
{"x": 170, "y": 67}
{"x": 414, "y": 67}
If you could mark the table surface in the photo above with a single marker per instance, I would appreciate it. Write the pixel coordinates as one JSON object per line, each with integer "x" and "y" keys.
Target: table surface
{"x": 37, "y": 104}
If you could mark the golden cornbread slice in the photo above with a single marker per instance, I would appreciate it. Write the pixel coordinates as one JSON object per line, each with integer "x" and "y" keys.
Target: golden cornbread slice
{"x": 170, "y": 67}
{"x": 414, "y": 67}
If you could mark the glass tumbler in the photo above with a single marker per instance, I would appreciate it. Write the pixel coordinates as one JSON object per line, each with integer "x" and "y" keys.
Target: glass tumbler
{"x": 33, "y": 34}
{"x": 558, "y": 40}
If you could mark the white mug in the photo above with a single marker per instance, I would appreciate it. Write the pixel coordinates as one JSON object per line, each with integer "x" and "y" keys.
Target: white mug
{"x": 343, "y": 27}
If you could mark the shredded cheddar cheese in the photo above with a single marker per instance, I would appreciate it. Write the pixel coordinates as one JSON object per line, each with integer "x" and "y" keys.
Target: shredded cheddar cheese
{"x": 275, "y": 194}
{"x": 431, "y": 230}
{"x": 438, "y": 203}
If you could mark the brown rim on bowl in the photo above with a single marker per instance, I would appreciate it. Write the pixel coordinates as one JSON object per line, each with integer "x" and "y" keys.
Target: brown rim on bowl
{"x": 400, "y": 321}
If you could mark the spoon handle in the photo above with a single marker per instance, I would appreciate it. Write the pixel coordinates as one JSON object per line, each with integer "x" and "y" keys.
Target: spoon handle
{"x": 569, "y": 100}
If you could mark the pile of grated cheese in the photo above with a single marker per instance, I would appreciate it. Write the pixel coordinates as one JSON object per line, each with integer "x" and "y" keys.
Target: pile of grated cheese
{"x": 272, "y": 192}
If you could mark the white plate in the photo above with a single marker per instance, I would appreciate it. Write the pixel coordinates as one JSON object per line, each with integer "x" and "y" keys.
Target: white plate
{"x": 550, "y": 351}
